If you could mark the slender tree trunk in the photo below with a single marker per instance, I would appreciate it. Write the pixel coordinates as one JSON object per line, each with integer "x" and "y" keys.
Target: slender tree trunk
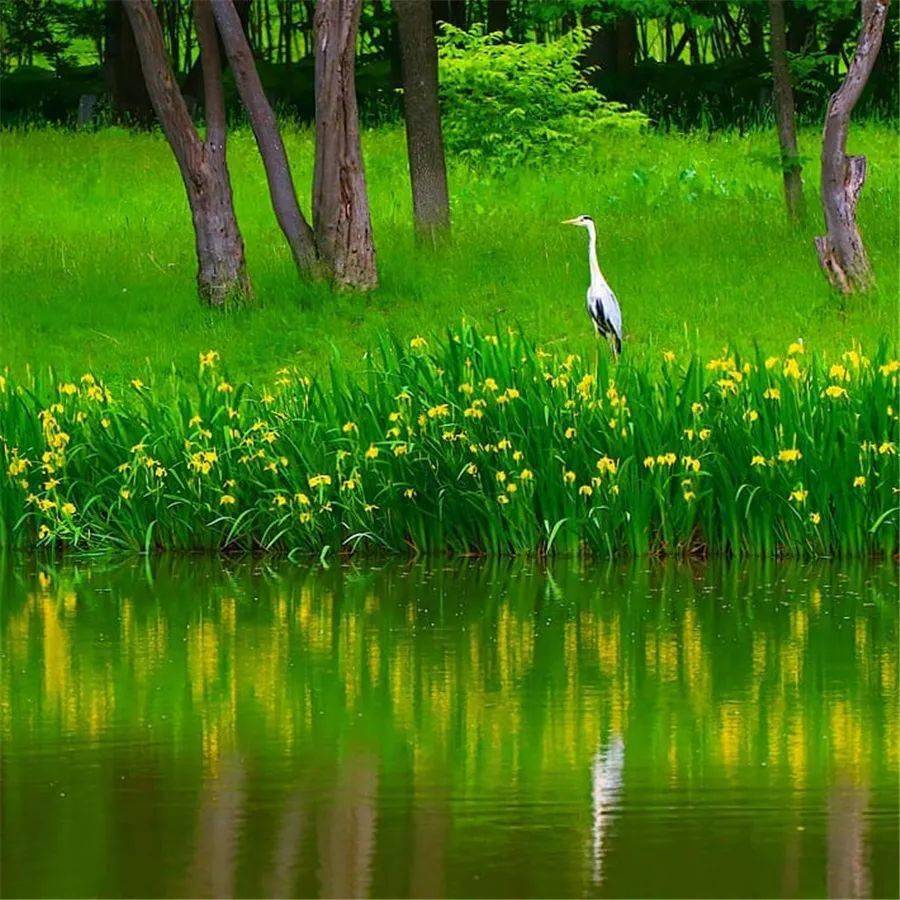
{"x": 841, "y": 252}
{"x": 122, "y": 69}
{"x": 296, "y": 229}
{"x": 498, "y": 15}
{"x": 192, "y": 86}
{"x": 785, "y": 115}
{"x": 340, "y": 203}
{"x": 221, "y": 275}
{"x": 424, "y": 140}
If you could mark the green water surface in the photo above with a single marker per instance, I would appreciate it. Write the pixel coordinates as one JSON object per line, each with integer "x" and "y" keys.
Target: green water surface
{"x": 188, "y": 727}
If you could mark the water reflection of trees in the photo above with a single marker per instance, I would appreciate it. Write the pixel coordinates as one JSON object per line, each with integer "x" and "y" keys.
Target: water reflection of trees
{"x": 459, "y": 680}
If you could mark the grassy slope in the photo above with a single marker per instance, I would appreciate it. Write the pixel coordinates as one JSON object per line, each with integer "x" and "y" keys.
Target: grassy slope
{"x": 97, "y": 255}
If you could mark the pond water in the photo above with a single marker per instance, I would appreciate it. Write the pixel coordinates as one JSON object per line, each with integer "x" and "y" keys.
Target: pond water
{"x": 188, "y": 727}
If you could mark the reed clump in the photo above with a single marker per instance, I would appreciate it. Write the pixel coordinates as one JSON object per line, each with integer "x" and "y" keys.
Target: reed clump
{"x": 474, "y": 443}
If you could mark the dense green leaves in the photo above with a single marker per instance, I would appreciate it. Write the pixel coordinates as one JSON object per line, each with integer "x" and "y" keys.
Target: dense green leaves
{"x": 506, "y": 104}
{"x": 485, "y": 444}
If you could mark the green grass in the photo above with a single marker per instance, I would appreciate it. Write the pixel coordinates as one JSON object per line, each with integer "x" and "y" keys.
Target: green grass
{"x": 482, "y": 444}
{"x": 98, "y": 267}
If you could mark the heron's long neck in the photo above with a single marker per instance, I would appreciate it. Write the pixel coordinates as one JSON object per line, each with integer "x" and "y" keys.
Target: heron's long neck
{"x": 597, "y": 278}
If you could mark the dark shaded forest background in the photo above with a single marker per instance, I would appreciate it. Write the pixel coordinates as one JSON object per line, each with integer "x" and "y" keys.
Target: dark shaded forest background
{"x": 685, "y": 63}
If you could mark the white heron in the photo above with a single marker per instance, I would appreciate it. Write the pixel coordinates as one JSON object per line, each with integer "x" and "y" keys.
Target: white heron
{"x": 602, "y": 306}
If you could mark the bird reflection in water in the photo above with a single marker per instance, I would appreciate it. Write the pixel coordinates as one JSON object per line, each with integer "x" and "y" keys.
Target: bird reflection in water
{"x": 606, "y": 785}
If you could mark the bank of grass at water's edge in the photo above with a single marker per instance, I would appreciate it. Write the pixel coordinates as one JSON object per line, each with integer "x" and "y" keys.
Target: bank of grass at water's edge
{"x": 477, "y": 444}
{"x": 98, "y": 269}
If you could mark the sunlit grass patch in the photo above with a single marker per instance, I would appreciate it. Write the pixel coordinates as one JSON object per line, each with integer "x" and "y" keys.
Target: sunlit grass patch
{"x": 477, "y": 443}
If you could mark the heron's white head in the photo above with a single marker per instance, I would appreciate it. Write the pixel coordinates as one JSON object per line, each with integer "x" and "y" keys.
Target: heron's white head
{"x": 582, "y": 221}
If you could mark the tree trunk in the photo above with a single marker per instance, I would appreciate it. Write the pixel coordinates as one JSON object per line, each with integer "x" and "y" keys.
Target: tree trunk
{"x": 221, "y": 275}
{"x": 122, "y": 69}
{"x": 424, "y": 141}
{"x": 498, "y": 16}
{"x": 785, "y": 116}
{"x": 192, "y": 86}
{"x": 296, "y": 229}
{"x": 841, "y": 252}
{"x": 340, "y": 203}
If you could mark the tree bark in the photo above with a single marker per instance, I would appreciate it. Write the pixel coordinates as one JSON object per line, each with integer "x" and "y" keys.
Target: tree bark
{"x": 792, "y": 171}
{"x": 498, "y": 16}
{"x": 221, "y": 272}
{"x": 296, "y": 229}
{"x": 424, "y": 140}
{"x": 122, "y": 69}
{"x": 192, "y": 86}
{"x": 842, "y": 254}
{"x": 340, "y": 202}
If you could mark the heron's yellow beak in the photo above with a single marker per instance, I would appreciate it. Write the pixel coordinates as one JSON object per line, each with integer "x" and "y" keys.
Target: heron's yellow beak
{"x": 569, "y": 222}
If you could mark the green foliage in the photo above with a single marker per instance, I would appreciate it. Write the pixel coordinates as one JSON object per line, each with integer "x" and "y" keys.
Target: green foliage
{"x": 505, "y": 104}
{"x": 484, "y": 444}
{"x": 692, "y": 237}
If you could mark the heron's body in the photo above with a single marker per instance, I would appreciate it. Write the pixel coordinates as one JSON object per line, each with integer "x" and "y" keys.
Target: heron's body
{"x": 602, "y": 306}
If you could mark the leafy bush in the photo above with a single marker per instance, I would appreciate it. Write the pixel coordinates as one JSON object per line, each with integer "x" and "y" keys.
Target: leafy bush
{"x": 505, "y": 104}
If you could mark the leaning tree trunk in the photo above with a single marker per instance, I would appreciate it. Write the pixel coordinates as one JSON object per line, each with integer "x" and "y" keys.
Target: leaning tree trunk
{"x": 296, "y": 229}
{"x": 221, "y": 275}
{"x": 841, "y": 251}
{"x": 340, "y": 203}
{"x": 791, "y": 168}
{"x": 424, "y": 141}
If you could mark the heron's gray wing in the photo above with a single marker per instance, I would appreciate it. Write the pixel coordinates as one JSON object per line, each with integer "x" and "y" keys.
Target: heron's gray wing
{"x": 612, "y": 312}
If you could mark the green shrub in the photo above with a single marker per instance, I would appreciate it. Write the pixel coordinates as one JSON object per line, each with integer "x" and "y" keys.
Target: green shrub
{"x": 505, "y": 104}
